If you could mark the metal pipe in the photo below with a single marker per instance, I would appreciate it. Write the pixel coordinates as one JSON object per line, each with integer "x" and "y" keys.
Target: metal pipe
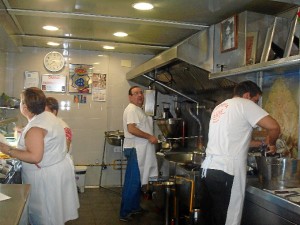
{"x": 200, "y": 135}
{"x": 171, "y": 89}
{"x": 192, "y": 191}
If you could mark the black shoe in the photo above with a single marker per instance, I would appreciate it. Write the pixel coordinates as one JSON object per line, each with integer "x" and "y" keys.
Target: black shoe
{"x": 126, "y": 218}
{"x": 138, "y": 211}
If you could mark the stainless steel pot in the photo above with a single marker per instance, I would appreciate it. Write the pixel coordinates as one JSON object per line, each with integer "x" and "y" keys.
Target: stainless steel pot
{"x": 170, "y": 128}
{"x": 278, "y": 173}
{"x": 114, "y": 137}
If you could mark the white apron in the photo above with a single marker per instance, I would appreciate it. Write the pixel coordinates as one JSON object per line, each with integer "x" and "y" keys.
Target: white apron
{"x": 147, "y": 161}
{"x": 145, "y": 151}
{"x": 53, "y": 196}
{"x": 236, "y": 204}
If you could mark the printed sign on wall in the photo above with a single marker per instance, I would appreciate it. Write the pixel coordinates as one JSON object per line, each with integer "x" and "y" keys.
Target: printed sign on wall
{"x": 55, "y": 83}
{"x": 99, "y": 87}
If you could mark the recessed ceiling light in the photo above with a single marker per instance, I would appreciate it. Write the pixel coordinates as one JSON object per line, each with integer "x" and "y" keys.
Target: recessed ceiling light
{"x": 143, "y": 6}
{"x": 52, "y": 43}
{"x": 68, "y": 35}
{"x": 51, "y": 28}
{"x": 100, "y": 55}
{"x": 120, "y": 34}
{"x": 108, "y": 47}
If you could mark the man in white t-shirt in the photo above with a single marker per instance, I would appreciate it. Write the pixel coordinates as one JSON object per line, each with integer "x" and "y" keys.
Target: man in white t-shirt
{"x": 140, "y": 153}
{"x": 223, "y": 180}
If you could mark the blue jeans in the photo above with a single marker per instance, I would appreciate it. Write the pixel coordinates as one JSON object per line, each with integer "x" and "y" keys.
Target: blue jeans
{"x": 131, "y": 193}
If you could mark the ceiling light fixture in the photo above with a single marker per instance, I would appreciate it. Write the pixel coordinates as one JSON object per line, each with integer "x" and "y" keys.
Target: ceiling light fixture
{"x": 108, "y": 47}
{"x": 142, "y": 6}
{"x": 50, "y": 28}
{"x": 120, "y": 34}
{"x": 52, "y": 43}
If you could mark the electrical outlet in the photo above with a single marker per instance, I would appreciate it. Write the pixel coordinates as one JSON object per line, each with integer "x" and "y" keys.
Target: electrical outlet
{"x": 117, "y": 149}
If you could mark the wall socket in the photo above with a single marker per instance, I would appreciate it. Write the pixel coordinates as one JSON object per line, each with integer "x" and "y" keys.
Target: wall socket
{"x": 117, "y": 149}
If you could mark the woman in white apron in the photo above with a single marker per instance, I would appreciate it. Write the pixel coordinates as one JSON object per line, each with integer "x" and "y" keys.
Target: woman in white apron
{"x": 42, "y": 149}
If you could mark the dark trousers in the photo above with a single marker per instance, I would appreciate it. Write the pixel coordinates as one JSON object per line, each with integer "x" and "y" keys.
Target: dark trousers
{"x": 131, "y": 193}
{"x": 215, "y": 192}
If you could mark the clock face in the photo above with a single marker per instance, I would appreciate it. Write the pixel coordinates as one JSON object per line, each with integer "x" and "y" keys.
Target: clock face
{"x": 54, "y": 61}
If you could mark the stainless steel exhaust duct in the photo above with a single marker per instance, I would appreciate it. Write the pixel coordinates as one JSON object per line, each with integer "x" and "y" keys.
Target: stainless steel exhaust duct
{"x": 184, "y": 67}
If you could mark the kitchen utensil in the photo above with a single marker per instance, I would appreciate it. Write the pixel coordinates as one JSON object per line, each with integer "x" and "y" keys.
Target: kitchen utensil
{"x": 149, "y": 102}
{"x": 278, "y": 173}
{"x": 166, "y": 111}
{"x": 177, "y": 109}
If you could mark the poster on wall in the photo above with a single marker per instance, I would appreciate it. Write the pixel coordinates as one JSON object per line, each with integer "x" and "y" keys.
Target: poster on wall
{"x": 99, "y": 87}
{"x": 54, "y": 83}
{"x": 80, "y": 78}
{"x": 31, "y": 79}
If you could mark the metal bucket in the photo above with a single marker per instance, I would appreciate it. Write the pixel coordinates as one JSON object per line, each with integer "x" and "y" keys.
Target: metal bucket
{"x": 278, "y": 173}
{"x": 114, "y": 137}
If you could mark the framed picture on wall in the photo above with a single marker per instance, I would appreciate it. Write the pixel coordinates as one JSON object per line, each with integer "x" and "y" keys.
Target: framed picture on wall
{"x": 251, "y": 43}
{"x": 80, "y": 78}
{"x": 228, "y": 34}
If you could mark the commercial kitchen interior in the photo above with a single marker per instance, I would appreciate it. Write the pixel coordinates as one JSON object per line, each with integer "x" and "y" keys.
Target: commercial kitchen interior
{"x": 175, "y": 48}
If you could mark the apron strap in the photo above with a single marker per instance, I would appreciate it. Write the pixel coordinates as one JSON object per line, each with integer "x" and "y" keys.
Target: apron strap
{"x": 205, "y": 165}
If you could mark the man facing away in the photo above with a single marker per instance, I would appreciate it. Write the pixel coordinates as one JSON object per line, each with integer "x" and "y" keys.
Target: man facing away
{"x": 223, "y": 180}
{"x": 139, "y": 151}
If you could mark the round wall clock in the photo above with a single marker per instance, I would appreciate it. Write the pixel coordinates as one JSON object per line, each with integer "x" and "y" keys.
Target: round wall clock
{"x": 54, "y": 61}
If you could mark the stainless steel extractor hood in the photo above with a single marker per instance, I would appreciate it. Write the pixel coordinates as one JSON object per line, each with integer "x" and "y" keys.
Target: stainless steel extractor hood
{"x": 184, "y": 67}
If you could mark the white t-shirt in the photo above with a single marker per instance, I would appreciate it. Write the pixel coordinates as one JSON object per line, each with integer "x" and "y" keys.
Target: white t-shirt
{"x": 134, "y": 114}
{"x": 230, "y": 132}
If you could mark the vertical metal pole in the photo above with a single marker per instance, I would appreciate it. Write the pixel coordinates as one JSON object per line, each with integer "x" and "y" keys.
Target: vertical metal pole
{"x": 102, "y": 162}
{"x": 121, "y": 185}
{"x": 167, "y": 204}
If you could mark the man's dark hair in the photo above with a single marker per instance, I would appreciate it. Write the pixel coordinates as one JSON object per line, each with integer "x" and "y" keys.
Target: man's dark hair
{"x": 130, "y": 89}
{"x": 247, "y": 86}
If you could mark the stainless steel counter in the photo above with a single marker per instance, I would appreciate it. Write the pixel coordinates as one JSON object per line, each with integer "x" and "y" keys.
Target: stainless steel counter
{"x": 262, "y": 207}
{"x": 14, "y": 210}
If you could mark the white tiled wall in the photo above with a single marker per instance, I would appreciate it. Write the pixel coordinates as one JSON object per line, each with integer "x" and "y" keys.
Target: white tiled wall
{"x": 2, "y": 71}
{"x": 88, "y": 121}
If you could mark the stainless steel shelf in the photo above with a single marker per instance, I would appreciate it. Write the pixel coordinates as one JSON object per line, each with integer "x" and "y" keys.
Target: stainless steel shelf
{"x": 284, "y": 65}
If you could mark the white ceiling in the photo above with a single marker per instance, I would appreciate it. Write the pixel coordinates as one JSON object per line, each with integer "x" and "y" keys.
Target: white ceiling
{"x": 92, "y": 23}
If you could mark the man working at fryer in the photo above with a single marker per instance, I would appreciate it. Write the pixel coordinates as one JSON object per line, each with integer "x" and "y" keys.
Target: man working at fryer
{"x": 139, "y": 151}
{"x": 223, "y": 179}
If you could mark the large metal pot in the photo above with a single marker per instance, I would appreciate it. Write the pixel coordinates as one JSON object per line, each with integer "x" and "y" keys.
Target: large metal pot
{"x": 278, "y": 173}
{"x": 170, "y": 128}
{"x": 114, "y": 137}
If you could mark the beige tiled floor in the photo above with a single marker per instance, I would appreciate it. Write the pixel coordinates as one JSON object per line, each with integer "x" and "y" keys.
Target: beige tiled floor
{"x": 100, "y": 206}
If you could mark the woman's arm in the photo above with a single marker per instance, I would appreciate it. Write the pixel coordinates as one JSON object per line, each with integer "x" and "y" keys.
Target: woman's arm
{"x": 34, "y": 142}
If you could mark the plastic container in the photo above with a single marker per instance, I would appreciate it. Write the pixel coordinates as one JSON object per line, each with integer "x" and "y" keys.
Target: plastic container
{"x": 80, "y": 172}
